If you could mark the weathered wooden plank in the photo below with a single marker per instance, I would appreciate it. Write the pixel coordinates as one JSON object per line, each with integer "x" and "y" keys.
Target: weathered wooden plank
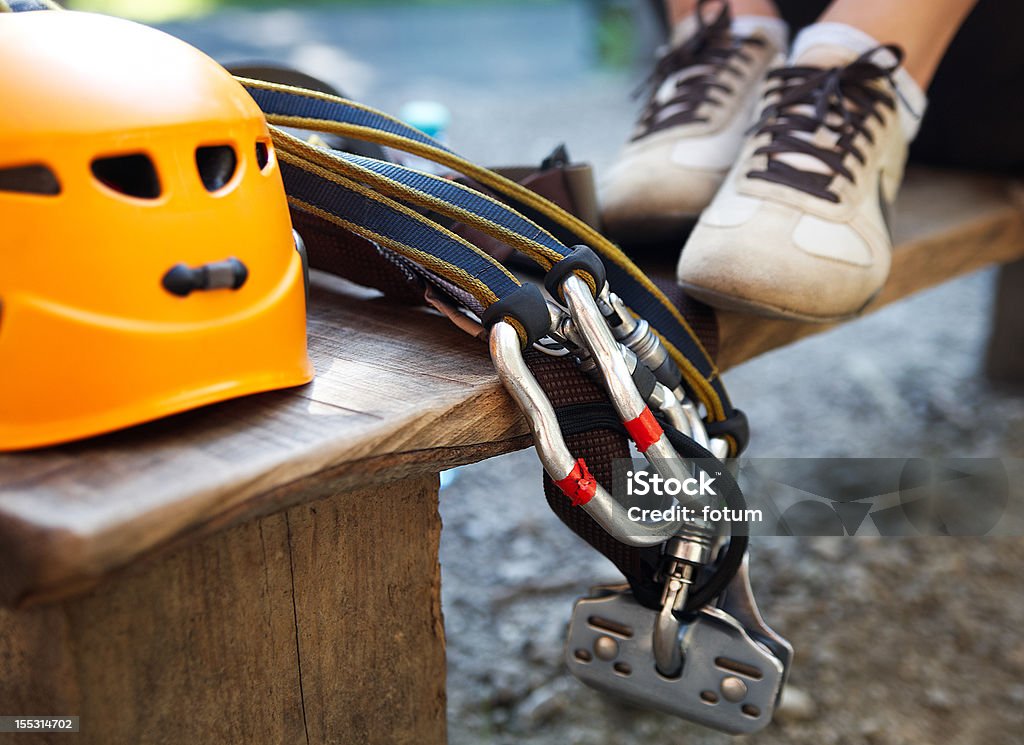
{"x": 267, "y": 632}
{"x": 399, "y": 392}
{"x": 1005, "y": 359}
{"x": 37, "y": 671}
{"x": 372, "y": 647}
{"x": 387, "y": 402}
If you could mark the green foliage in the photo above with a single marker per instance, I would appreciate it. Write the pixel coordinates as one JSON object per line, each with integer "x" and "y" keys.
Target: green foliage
{"x": 615, "y": 33}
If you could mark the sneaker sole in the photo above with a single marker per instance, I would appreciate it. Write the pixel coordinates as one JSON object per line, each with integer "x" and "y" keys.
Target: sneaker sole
{"x": 722, "y": 301}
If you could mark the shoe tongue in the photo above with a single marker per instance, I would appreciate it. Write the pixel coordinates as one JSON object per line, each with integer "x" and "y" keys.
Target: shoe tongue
{"x": 824, "y": 56}
{"x": 684, "y": 30}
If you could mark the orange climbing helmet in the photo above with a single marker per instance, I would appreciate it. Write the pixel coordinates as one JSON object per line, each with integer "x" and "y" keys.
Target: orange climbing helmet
{"x": 148, "y": 263}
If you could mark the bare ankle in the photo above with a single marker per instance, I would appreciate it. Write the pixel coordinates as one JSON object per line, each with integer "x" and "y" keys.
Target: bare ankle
{"x": 680, "y": 9}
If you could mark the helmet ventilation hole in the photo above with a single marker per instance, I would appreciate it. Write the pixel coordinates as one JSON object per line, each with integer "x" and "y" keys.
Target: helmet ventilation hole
{"x": 31, "y": 179}
{"x": 216, "y": 164}
{"x": 262, "y": 154}
{"x": 133, "y": 175}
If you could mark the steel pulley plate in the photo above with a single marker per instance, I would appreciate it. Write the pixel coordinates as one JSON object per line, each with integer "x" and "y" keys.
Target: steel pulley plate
{"x": 729, "y": 681}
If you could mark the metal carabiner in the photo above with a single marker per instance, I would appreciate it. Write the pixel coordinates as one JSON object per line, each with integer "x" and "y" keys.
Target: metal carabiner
{"x": 636, "y": 415}
{"x": 690, "y": 546}
{"x": 563, "y": 340}
{"x": 637, "y": 335}
{"x": 683, "y": 554}
{"x": 568, "y": 472}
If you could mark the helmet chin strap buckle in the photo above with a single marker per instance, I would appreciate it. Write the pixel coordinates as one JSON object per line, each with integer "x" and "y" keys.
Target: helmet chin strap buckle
{"x": 733, "y": 666}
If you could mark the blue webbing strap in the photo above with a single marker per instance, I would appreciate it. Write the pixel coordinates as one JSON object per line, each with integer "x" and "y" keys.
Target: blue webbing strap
{"x": 310, "y": 110}
{"x": 285, "y": 101}
{"x": 381, "y": 220}
{"x": 441, "y": 195}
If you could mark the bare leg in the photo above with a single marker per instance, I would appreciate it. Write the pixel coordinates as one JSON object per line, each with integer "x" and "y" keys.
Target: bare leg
{"x": 924, "y": 28}
{"x": 680, "y": 9}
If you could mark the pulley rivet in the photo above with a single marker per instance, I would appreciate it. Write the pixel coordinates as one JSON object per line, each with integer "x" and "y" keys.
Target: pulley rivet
{"x": 606, "y": 648}
{"x": 733, "y": 689}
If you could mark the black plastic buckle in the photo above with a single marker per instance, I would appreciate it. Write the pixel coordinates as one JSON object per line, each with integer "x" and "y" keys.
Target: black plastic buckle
{"x": 735, "y": 426}
{"x": 528, "y": 306}
{"x": 581, "y": 259}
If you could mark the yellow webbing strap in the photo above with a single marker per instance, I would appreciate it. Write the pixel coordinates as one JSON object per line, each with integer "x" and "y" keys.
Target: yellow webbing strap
{"x": 699, "y": 383}
{"x": 302, "y": 151}
{"x": 451, "y": 272}
{"x": 286, "y": 106}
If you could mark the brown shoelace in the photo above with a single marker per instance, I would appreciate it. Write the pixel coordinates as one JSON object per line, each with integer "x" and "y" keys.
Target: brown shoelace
{"x": 713, "y": 45}
{"x": 843, "y": 99}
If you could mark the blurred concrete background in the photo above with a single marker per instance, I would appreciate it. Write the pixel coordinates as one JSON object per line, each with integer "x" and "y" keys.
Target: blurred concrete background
{"x": 898, "y": 641}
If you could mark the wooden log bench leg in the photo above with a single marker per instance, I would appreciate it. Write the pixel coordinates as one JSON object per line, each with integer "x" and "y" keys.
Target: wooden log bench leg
{"x": 1005, "y": 360}
{"x": 318, "y": 624}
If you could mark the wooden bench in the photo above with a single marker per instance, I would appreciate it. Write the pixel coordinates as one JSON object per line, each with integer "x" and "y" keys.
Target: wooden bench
{"x": 265, "y": 570}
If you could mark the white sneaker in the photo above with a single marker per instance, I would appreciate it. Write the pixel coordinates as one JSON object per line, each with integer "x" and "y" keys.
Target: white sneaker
{"x": 704, "y": 93}
{"x": 800, "y": 227}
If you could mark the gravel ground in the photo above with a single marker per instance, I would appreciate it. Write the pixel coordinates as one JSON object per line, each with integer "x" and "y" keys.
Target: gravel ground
{"x": 898, "y": 641}
{"x": 911, "y": 641}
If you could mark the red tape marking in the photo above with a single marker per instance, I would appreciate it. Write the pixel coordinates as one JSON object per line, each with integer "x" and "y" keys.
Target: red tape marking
{"x": 579, "y": 485}
{"x": 644, "y": 430}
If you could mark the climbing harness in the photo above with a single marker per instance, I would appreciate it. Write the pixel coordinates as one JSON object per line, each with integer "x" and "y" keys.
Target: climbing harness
{"x": 602, "y": 359}
{"x": 600, "y": 364}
